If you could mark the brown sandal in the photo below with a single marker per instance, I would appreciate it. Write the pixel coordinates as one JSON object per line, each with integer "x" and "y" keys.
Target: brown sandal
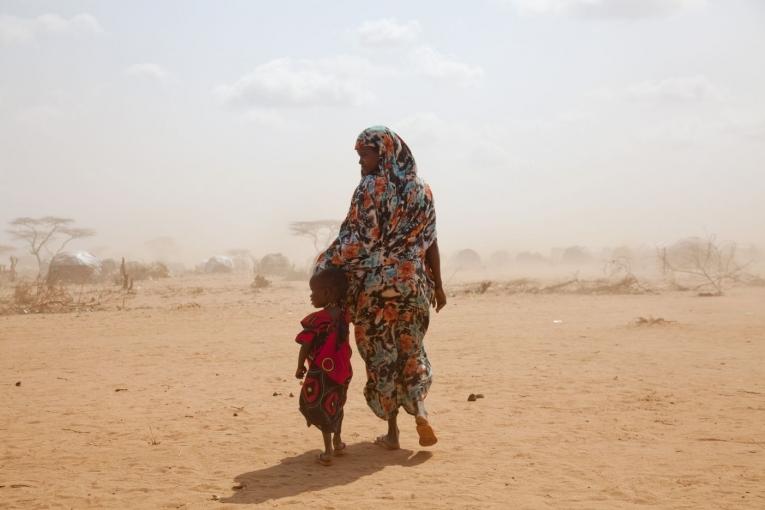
{"x": 425, "y": 431}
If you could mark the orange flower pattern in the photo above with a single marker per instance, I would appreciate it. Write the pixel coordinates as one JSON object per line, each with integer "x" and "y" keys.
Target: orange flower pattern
{"x": 381, "y": 245}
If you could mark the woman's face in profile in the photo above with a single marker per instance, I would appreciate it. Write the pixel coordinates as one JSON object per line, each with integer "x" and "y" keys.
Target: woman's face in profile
{"x": 368, "y": 159}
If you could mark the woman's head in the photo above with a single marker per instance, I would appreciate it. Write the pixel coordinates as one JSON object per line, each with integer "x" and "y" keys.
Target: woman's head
{"x": 382, "y": 151}
{"x": 328, "y": 287}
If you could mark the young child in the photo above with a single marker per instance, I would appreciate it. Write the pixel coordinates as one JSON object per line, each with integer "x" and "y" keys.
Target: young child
{"x": 324, "y": 343}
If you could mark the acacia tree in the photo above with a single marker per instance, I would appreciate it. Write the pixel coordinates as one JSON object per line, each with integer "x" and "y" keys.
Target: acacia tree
{"x": 46, "y": 237}
{"x": 321, "y": 232}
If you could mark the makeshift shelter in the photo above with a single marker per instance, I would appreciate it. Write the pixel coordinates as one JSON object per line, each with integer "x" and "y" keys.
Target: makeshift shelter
{"x": 219, "y": 264}
{"x": 74, "y": 267}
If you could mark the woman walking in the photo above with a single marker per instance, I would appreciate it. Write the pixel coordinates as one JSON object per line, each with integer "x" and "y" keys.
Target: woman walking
{"x": 387, "y": 245}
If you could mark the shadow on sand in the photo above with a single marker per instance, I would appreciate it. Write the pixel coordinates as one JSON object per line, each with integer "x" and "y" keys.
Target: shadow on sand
{"x": 301, "y": 473}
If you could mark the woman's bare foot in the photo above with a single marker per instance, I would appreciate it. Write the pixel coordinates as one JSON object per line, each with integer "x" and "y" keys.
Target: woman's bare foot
{"x": 324, "y": 458}
{"x": 387, "y": 442}
{"x": 425, "y": 431}
{"x": 390, "y": 440}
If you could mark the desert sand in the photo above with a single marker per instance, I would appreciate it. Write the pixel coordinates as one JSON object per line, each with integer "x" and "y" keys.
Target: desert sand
{"x": 186, "y": 393}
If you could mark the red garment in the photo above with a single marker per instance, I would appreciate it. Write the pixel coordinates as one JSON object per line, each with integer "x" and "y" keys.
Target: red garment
{"x": 323, "y": 333}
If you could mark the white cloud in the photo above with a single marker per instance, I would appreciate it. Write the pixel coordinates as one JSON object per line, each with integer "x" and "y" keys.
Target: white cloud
{"x": 692, "y": 89}
{"x": 388, "y": 32}
{"x": 287, "y": 82}
{"x": 615, "y": 9}
{"x": 434, "y": 64}
{"x": 16, "y": 30}
{"x": 148, "y": 70}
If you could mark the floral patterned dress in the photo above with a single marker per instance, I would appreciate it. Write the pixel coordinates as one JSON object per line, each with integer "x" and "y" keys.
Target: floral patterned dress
{"x": 381, "y": 245}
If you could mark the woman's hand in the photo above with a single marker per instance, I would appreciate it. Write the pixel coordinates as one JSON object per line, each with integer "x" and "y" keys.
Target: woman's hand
{"x": 439, "y": 299}
{"x": 300, "y": 372}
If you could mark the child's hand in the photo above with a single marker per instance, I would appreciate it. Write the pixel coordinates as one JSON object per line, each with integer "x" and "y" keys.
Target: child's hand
{"x": 300, "y": 372}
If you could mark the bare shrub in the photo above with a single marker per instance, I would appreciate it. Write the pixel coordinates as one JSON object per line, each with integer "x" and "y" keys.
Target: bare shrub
{"x": 260, "y": 282}
{"x": 709, "y": 266}
{"x": 40, "y": 298}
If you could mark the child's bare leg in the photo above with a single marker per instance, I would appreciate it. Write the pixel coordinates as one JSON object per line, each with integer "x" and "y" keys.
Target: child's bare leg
{"x": 326, "y": 457}
{"x": 337, "y": 442}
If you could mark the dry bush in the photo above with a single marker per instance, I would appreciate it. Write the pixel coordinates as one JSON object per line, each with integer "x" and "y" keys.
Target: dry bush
{"x": 618, "y": 285}
{"x": 260, "y": 282}
{"x": 40, "y": 297}
{"x": 706, "y": 265}
{"x": 652, "y": 321}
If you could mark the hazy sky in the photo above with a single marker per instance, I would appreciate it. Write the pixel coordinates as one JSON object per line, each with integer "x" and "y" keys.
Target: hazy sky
{"x": 538, "y": 123}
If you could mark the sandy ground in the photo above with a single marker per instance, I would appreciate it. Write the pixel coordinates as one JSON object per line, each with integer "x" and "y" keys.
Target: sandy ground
{"x": 174, "y": 401}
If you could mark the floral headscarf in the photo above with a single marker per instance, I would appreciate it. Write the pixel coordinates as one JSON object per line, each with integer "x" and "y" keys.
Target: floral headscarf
{"x": 395, "y": 157}
{"x": 391, "y": 221}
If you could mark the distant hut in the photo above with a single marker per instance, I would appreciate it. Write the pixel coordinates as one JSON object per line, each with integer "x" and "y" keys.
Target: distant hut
{"x": 577, "y": 256}
{"x": 274, "y": 264}
{"x": 500, "y": 259}
{"x": 219, "y": 264}
{"x": 74, "y": 267}
{"x": 467, "y": 260}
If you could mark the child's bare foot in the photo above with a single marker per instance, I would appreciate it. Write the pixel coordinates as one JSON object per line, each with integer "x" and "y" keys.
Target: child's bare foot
{"x": 325, "y": 459}
{"x": 425, "y": 431}
{"x": 338, "y": 446}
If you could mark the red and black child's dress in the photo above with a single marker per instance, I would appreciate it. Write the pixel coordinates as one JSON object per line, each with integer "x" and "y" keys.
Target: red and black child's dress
{"x": 325, "y": 386}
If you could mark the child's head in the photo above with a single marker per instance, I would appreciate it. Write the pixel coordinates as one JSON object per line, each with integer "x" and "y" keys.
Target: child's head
{"x": 328, "y": 287}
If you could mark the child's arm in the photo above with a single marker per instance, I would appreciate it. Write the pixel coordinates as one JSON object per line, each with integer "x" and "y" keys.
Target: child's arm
{"x": 302, "y": 356}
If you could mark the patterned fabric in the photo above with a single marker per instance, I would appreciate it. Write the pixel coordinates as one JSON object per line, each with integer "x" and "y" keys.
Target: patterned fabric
{"x": 381, "y": 245}
{"x": 325, "y": 386}
{"x": 330, "y": 348}
{"x": 322, "y": 400}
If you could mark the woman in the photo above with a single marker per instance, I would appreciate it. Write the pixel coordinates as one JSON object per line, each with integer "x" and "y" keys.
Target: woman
{"x": 387, "y": 244}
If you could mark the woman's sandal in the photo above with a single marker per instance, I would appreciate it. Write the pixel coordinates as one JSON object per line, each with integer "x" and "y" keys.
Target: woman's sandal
{"x": 324, "y": 459}
{"x": 425, "y": 431}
